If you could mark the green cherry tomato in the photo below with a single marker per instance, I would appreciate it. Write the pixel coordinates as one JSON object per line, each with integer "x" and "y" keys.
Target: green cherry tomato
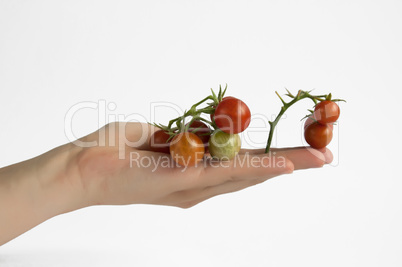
{"x": 224, "y": 146}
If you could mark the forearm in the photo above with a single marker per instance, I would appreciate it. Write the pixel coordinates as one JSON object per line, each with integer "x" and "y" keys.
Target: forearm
{"x": 38, "y": 189}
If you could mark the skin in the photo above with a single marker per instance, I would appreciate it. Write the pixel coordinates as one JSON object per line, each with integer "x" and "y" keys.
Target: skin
{"x": 71, "y": 177}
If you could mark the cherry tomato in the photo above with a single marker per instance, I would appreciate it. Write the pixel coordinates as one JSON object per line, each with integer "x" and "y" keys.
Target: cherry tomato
{"x": 224, "y": 146}
{"x": 232, "y": 115}
{"x": 201, "y": 130}
{"x": 158, "y": 142}
{"x": 187, "y": 149}
{"x": 310, "y": 120}
{"x": 326, "y": 112}
{"x": 318, "y": 135}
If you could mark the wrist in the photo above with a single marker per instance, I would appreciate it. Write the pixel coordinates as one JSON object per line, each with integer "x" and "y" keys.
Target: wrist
{"x": 59, "y": 184}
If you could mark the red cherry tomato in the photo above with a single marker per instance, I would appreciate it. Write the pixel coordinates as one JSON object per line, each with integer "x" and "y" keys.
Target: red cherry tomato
{"x": 318, "y": 135}
{"x": 158, "y": 142}
{"x": 187, "y": 149}
{"x": 326, "y": 112}
{"x": 232, "y": 115}
{"x": 310, "y": 120}
{"x": 201, "y": 130}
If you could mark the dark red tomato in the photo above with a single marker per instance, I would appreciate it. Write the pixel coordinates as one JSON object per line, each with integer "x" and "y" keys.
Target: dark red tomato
{"x": 318, "y": 135}
{"x": 187, "y": 149}
{"x": 212, "y": 115}
{"x": 201, "y": 130}
{"x": 232, "y": 115}
{"x": 310, "y": 120}
{"x": 326, "y": 112}
{"x": 158, "y": 142}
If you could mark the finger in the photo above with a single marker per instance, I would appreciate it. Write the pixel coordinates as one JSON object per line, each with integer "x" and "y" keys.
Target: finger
{"x": 302, "y": 157}
{"x": 244, "y": 167}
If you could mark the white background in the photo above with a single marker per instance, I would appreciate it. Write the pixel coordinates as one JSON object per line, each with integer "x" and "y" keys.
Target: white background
{"x": 55, "y": 54}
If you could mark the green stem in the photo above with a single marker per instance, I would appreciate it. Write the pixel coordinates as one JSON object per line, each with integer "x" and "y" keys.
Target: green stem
{"x": 191, "y": 112}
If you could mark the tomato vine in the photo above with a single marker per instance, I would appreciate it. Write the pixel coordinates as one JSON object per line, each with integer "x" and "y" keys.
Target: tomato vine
{"x": 295, "y": 98}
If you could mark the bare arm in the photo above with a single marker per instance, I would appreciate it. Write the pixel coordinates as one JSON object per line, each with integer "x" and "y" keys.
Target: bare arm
{"x": 35, "y": 190}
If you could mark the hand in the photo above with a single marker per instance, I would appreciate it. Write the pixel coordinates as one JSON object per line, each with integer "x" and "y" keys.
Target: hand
{"x": 143, "y": 176}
